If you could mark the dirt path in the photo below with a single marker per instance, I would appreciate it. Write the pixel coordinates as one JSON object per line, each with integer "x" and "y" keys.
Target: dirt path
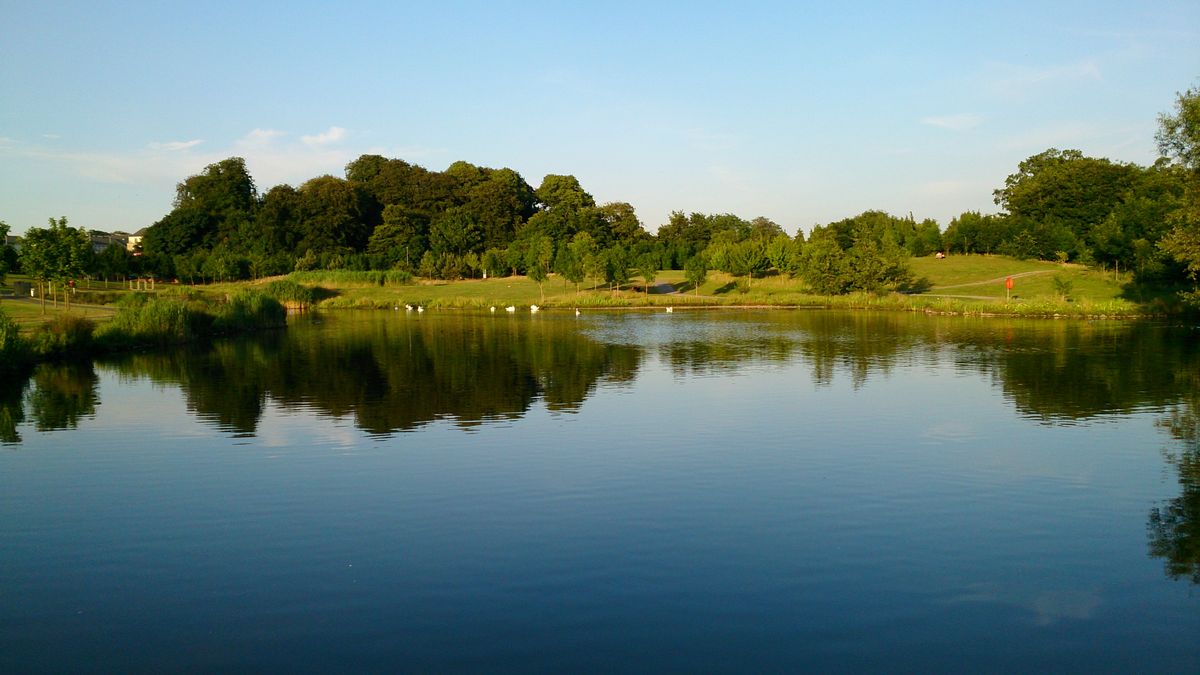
{"x": 997, "y": 280}
{"x": 51, "y": 308}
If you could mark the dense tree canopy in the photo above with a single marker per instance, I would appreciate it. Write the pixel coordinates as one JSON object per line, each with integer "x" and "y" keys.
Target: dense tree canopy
{"x": 1179, "y": 140}
{"x": 469, "y": 220}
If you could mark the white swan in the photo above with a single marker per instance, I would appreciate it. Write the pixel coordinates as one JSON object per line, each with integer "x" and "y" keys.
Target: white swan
{"x": 533, "y": 308}
{"x": 670, "y": 310}
{"x": 577, "y": 312}
{"x": 420, "y": 309}
{"x": 492, "y": 308}
{"x": 510, "y": 308}
{"x": 407, "y": 307}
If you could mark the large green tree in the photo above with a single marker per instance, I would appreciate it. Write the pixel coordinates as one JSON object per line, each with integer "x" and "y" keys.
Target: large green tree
{"x": 334, "y": 216}
{"x": 1179, "y": 139}
{"x": 563, "y": 192}
{"x": 211, "y": 208}
{"x": 402, "y": 239}
{"x": 1060, "y": 196}
{"x": 499, "y": 203}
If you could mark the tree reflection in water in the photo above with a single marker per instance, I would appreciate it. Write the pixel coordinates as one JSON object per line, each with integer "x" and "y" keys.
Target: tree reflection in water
{"x": 12, "y": 407}
{"x": 1174, "y": 527}
{"x": 56, "y": 396}
{"x": 393, "y": 375}
{"x": 396, "y": 374}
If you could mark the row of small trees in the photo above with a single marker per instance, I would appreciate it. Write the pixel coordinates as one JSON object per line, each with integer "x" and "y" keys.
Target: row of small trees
{"x": 54, "y": 257}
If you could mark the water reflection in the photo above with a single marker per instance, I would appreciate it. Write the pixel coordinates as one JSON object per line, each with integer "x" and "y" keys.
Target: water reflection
{"x": 12, "y": 408}
{"x": 858, "y": 345}
{"x": 1174, "y": 527}
{"x": 57, "y": 396}
{"x": 395, "y": 373}
{"x": 392, "y": 375}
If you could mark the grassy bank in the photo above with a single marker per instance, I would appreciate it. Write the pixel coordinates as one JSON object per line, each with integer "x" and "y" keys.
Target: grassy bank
{"x": 139, "y": 321}
{"x": 969, "y": 285}
{"x": 966, "y": 285}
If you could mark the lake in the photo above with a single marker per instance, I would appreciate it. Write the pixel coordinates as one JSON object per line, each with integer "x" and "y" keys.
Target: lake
{"x": 698, "y": 491}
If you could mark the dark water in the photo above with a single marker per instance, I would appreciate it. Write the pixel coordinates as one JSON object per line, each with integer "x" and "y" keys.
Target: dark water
{"x": 731, "y": 491}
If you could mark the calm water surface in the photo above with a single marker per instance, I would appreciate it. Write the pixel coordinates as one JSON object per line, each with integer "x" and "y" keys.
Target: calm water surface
{"x": 702, "y": 491}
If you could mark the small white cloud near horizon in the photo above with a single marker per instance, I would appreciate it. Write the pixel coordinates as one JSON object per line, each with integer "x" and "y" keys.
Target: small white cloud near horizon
{"x": 960, "y": 122}
{"x": 333, "y": 135}
{"x": 175, "y": 146}
{"x": 258, "y": 137}
{"x": 1009, "y": 80}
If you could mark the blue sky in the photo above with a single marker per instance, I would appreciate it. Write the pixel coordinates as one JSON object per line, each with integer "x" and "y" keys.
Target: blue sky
{"x": 802, "y": 112}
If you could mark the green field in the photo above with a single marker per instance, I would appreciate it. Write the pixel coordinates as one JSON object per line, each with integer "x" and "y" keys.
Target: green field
{"x": 961, "y": 284}
{"x": 93, "y": 302}
{"x": 978, "y": 277}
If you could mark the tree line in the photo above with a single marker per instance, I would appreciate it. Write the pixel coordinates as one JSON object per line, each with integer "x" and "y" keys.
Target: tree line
{"x": 470, "y": 221}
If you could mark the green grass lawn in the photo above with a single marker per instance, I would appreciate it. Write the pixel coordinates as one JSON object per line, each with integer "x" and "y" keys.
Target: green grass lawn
{"x": 28, "y": 313}
{"x": 983, "y": 276}
{"x": 964, "y": 269}
{"x": 959, "y": 283}
{"x": 91, "y": 299}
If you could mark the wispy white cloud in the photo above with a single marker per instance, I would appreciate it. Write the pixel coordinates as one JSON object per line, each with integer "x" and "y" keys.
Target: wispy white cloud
{"x": 333, "y": 135}
{"x": 270, "y": 161}
{"x": 130, "y": 167}
{"x": 1014, "y": 81}
{"x": 52, "y": 137}
{"x": 259, "y": 137}
{"x": 960, "y": 122}
{"x": 175, "y": 146}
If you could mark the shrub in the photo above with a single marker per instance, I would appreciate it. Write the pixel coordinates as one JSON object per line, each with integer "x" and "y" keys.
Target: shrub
{"x": 289, "y": 292}
{"x": 14, "y": 350}
{"x": 249, "y": 310}
{"x": 64, "y": 336}
{"x": 133, "y": 300}
{"x": 1063, "y": 286}
{"x": 349, "y": 278}
{"x": 156, "y": 321}
{"x": 397, "y": 277}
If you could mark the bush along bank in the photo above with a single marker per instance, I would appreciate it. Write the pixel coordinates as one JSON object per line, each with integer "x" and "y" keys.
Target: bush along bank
{"x": 141, "y": 322}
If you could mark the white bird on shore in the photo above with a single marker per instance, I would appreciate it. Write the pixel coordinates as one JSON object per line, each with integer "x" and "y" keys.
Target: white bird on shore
{"x": 492, "y": 308}
{"x": 577, "y": 312}
{"x": 407, "y": 307}
{"x": 533, "y": 309}
{"x": 510, "y": 308}
{"x": 420, "y": 309}
{"x": 670, "y": 310}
